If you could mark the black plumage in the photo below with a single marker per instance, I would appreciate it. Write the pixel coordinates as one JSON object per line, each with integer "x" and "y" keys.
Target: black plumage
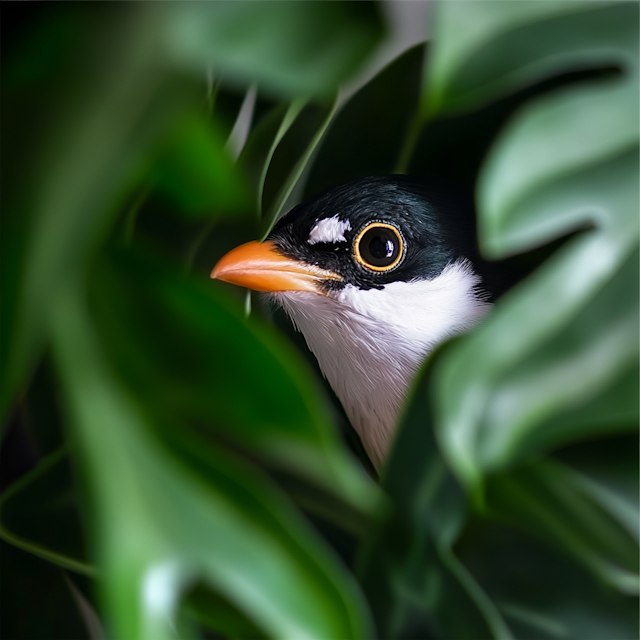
{"x": 434, "y": 222}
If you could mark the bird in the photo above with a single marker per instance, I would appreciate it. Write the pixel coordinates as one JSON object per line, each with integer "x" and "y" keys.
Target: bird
{"x": 375, "y": 273}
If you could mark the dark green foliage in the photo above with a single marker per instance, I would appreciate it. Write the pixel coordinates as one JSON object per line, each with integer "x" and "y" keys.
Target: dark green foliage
{"x": 174, "y": 464}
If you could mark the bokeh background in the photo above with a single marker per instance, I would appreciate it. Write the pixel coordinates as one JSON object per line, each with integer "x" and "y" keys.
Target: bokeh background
{"x": 173, "y": 464}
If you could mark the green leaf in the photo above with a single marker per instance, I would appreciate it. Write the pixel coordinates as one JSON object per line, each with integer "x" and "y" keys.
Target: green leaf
{"x": 193, "y": 168}
{"x": 553, "y": 501}
{"x": 495, "y": 402}
{"x": 528, "y": 195}
{"x": 107, "y": 105}
{"x": 468, "y": 66}
{"x": 158, "y": 526}
{"x": 291, "y": 159}
{"x": 219, "y": 615}
{"x": 181, "y": 340}
{"x": 365, "y": 137}
{"x": 289, "y": 48}
{"x": 415, "y": 584}
{"x": 263, "y": 141}
{"x": 544, "y": 594}
{"x": 556, "y": 344}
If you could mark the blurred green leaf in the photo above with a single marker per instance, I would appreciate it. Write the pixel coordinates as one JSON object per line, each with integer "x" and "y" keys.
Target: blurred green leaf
{"x": 183, "y": 341}
{"x": 289, "y": 48}
{"x": 528, "y": 195}
{"x": 194, "y": 169}
{"x": 365, "y": 137}
{"x": 557, "y": 343}
{"x": 495, "y": 401}
{"x": 157, "y": 526}
{"x": 108, "y": 105}
{"x": 469, "y": 67}
{"x": 221, "y": 616}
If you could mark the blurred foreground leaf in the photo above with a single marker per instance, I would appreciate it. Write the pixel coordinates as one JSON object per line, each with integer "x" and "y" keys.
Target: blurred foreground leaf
{"x": 287, "y": 47}
{"x": 158, "y": 526}
{"x": 194, "y": 169}
{"x": 180, "y": 340}
{"x": 108, "y": 104}
{"x": 559, "y": 342}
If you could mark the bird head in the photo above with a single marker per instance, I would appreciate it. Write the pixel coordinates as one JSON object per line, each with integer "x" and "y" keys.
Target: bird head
{"x": 374, "y": 274}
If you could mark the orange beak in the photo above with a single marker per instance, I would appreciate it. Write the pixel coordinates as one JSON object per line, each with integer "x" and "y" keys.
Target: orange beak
{"x": 259, "y": 266}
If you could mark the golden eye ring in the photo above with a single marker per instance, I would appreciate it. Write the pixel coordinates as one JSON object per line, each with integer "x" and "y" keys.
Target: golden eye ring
{"x": 379, "y": 247}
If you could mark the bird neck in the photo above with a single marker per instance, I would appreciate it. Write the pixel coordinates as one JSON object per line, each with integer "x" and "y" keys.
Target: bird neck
{"x": 370, "y": 343}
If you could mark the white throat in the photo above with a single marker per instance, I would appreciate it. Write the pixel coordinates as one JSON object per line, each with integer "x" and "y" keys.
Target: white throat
{"x": 370, "y": 343}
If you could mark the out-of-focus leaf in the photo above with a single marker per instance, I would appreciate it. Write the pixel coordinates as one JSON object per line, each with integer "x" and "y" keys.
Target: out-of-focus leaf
{"x": 39, "y": 513}
{"x": 541, "y": 593}
{"x": 469, "y": 64}
{"x": 106, "y": 105}
{"x": 528, "y": 195}
{"x": 365, "y": 138}
{"x": 158, "y": 526}
{"x": 511, "y": 386}
{"x": 558, "y": 343}
{"x": 551, "y": 500}
{"x": 287, "y": 47}
{"x": 220, "y": 615}
{"x": 183, "y": 341}
{"x": 415, "y": 584}
{"x": 194, "y": 169}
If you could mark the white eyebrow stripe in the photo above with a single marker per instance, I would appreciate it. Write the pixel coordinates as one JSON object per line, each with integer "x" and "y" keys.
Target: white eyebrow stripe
{"x": 329, "y": 230}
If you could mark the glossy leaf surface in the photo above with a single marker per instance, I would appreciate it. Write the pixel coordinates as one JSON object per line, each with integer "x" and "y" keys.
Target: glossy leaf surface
{"x": 546, "y": 177}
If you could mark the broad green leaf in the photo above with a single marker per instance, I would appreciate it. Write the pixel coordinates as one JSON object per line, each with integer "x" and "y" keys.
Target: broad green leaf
{"x": 107, "y": 104}
{"x": 289, "y": 48}
{"x": 181, "y": 340}
{"x": 529, "y": 194}
{"x": 415, "y": 584}
{"x": 557, "y": 343}
{"x": 193, "y": 168}
{"x": 158, "y": 526}
{"x": 219, "y": 615}
{"x": 608, "y": 471}
{"x": 544, "y": 594}
{"x": 498, "y": 413}
{"x": 365, "y": 137}
{"x": 551, "y": 500}
{"x": 470, "y": 66}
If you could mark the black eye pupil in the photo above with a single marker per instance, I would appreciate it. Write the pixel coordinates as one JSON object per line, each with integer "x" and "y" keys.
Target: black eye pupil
{"x": 379, "y": 246}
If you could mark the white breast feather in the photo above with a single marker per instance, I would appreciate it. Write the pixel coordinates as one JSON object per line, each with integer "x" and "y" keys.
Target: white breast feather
{"x": 370, "y": 344}
{"x": 329, "y": 230}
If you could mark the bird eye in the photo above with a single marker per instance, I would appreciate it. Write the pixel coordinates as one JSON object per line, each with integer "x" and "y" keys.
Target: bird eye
{"x": 379, "y": 247}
